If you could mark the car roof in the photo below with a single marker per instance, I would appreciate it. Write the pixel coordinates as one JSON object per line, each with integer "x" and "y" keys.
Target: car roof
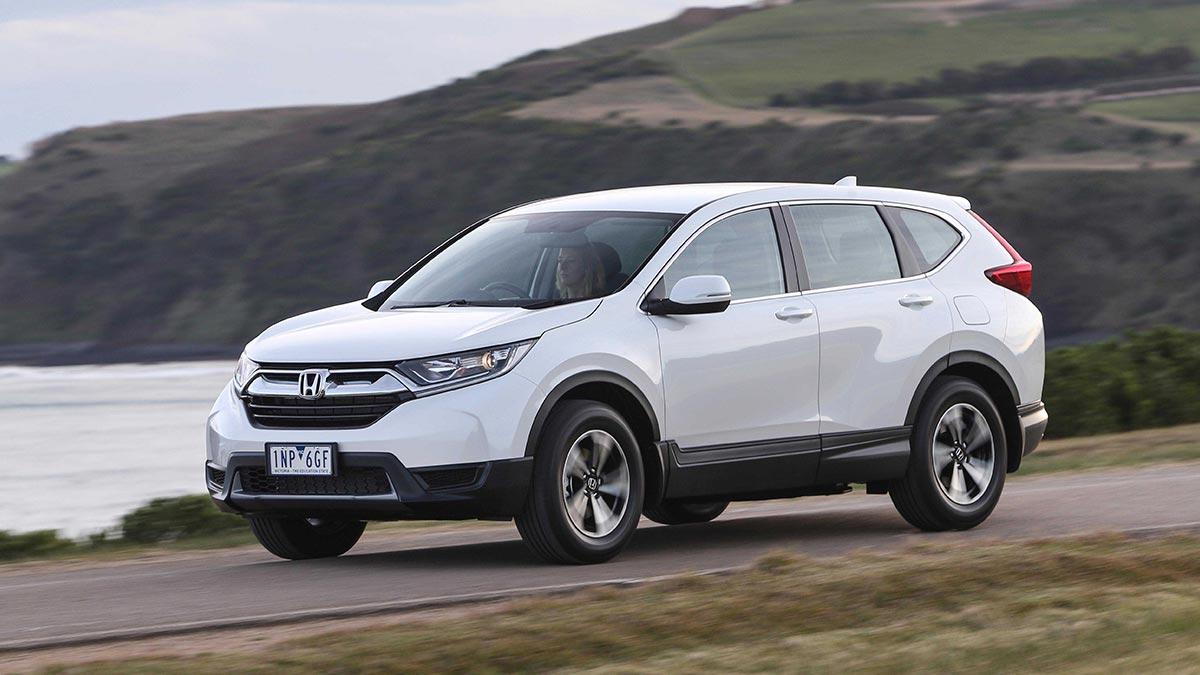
{"x": 689, "y": 197}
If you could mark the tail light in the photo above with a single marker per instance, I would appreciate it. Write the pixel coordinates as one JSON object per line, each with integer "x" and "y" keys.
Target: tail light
{"x": 1016, "y": 277}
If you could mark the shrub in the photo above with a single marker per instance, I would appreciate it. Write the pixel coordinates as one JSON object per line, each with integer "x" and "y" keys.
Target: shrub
{"x": 1146, "y": 379}
{"x": 14, "y": 546}
{"x": 174, "y": 518}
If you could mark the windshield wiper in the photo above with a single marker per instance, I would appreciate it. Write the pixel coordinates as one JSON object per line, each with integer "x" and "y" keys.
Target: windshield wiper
{"x": 541, "y": 304}
{"x": 460, "y": 302}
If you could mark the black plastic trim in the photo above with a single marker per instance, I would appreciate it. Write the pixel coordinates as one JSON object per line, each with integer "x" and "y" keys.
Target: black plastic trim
{"x": 735, "y": 451}
{"x": 666, "y": 306}
{"x": 578, "y": 379}
{"x": 862, "y": 456}
{"x": 759, "y": 471}
{"x": 786, "y": 467}
{"x": 500, "y": 491}
{"x": 944, "y": 363}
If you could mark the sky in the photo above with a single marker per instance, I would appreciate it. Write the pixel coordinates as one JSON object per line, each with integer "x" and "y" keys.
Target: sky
{"x": 70, "y": 63}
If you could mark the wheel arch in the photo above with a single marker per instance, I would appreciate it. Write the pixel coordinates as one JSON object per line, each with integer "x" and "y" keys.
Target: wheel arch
{"x": 988, "y": 373}
{"x": 623, "y": 396}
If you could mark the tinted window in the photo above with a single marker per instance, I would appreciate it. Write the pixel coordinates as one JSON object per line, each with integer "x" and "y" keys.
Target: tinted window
{"x": 932, "y": 237}
{"x": 741, "y": 248}
{"x": 844, "y": 244}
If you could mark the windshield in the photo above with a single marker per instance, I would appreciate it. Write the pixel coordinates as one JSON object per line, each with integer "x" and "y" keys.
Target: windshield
{"x": 536, "y": 260}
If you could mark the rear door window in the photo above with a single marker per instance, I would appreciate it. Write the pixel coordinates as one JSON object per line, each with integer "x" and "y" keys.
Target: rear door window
{"x": 844, "y": 244}
{"x": 931, "y": 238}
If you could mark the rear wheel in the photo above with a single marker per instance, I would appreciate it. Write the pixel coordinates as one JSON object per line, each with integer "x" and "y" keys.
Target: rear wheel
{"x": 958, "y": 462}
{"x": 681, "y": 513}
{"x": 304, "y": 538}
{"x": 586, "y": 494}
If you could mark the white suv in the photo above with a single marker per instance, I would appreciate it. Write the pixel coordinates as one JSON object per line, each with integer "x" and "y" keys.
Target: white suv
{"x": 578, "y": 362}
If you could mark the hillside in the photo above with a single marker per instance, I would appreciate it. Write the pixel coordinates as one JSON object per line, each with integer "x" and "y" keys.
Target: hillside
{"x": 203, "y": 229}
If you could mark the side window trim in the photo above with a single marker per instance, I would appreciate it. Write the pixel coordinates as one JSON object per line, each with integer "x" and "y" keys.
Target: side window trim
{"x": 792, "y": 283}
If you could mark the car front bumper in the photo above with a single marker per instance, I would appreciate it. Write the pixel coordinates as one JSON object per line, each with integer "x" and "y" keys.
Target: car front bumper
{"x": 392, "y": 469}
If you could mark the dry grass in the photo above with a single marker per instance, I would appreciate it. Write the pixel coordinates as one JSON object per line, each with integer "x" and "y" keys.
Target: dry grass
{"x": 1172, "y": 444}
{"x": 1090, "y": 604}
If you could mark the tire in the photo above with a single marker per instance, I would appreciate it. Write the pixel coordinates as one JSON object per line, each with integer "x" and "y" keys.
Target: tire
{"x": 950, "y": 485}
{"x": 580, "y": 454}
{"x": 682, "y": 513}
{"x": 301, "y": 539}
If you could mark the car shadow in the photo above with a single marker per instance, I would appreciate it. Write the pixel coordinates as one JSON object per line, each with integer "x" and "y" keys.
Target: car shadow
{"x": 722, "y": 542}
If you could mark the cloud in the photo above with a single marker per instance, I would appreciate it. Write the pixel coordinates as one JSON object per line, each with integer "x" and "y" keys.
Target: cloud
{"x": 147, "y": 59}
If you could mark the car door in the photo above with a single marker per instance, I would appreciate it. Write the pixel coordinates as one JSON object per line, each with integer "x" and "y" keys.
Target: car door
{"x": 742, "y": 382}
{"x": 880, "y": 329}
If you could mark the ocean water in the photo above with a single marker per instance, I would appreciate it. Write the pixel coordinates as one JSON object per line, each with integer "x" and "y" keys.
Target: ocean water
{"x": 80, "y": 446}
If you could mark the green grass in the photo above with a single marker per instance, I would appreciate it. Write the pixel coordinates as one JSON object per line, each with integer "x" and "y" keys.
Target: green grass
{"x": 745, "y": 59}
{"x": 1092, "y": 604}
{"x": 1170, "y": 108}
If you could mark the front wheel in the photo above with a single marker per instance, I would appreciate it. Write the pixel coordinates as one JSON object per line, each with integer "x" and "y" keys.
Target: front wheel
{"x": 586, "y": 496}
{"x": 305, "y": 538}
{"x": 958, "y": 461}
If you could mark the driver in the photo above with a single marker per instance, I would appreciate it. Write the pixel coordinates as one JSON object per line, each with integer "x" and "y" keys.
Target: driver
{"x": 580, "y": 272}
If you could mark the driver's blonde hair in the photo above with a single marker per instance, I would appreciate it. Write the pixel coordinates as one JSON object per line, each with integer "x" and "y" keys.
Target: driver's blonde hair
{"x": 593, "y": 275}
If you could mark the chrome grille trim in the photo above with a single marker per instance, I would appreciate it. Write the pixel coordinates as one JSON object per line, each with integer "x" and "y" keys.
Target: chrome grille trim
{"x": 342, "y": 382}
{"x": 354, "y": 398}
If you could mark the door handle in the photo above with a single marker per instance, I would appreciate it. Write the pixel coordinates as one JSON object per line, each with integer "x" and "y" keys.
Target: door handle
{"x": 916, "y": 300}
{"x": 793, "y": 313}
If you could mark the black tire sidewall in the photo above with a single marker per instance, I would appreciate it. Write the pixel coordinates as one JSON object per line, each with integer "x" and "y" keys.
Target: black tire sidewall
{"x": 567, "y": 424}
{"x": 945, "y": 394}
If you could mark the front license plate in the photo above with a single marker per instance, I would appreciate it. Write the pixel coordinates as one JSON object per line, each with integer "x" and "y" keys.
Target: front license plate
{"x": 300, "y": 460}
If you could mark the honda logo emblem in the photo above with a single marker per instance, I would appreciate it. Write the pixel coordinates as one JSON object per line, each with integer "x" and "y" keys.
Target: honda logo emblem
{"x": 313, "y": 383}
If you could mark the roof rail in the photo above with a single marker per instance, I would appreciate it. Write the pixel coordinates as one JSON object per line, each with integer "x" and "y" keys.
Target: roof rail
{"x": 848, "y": 181}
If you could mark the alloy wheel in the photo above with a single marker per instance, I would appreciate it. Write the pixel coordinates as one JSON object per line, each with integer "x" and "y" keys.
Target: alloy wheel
{"x": 595, "y": 484}
{"x": 964, "y": 454}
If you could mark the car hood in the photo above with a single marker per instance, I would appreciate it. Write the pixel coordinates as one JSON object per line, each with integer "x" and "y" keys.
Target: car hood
{"x": 352, "y": 333}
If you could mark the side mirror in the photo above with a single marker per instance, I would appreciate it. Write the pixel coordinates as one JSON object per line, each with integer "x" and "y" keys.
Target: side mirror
{"x": 700, "y": 294}
{"x": 379, "y": 287}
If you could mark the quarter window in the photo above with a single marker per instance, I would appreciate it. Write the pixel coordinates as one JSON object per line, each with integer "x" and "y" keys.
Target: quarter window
{"x": 932, "y": 237}
{"x": 742, "y": 248}
{"x": 844, "y": 244}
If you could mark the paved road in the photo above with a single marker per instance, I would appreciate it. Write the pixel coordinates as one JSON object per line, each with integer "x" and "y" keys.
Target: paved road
{"x": 68, "y": 604}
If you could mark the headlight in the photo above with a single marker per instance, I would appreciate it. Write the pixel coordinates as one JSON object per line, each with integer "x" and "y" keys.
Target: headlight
{"x": 464, "y": 367}
{"x": 245, "y": 370}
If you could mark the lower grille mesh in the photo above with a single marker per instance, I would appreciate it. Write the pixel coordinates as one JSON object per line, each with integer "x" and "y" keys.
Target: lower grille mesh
{"x": 351, "y": 480}
{"x": 216, "y": 477}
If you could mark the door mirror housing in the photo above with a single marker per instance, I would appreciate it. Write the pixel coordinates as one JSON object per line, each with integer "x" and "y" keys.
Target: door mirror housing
{"x": 379, "y": 287}
{"x": 699, "y": 294}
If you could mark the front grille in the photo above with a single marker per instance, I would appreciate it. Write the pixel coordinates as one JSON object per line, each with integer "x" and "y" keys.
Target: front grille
{"x": 340, "y": 412}
{"x": 447, "y": 479}
{"x": 351, "y": 480}
{"x": 216, "y": 478}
